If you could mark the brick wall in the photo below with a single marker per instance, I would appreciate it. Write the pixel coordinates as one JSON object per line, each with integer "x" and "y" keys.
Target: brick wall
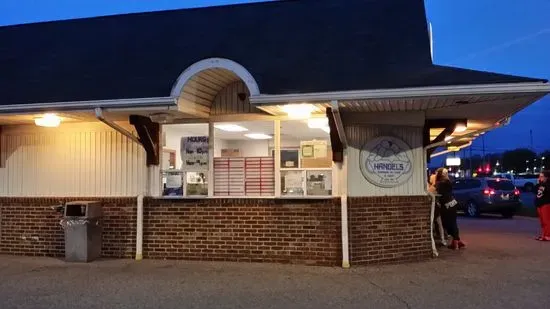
{"x": 389, "y": 229}
{"x": 256, "y": 230}
{"x": 251, "y": 230}
{"x": 28, "y": 226}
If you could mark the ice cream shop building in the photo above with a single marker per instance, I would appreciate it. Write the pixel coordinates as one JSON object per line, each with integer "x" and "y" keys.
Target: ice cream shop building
{"x": 285, "y": 131}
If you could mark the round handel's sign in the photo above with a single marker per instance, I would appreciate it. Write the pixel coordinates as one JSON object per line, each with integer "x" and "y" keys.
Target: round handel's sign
{"x": 386, "y": 161}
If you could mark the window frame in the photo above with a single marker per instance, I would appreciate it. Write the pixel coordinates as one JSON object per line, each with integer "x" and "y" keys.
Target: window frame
{"x": 274, "y": 150}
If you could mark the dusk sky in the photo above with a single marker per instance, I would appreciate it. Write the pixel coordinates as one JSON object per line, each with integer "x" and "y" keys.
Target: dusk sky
{"x": 505, "y": 36}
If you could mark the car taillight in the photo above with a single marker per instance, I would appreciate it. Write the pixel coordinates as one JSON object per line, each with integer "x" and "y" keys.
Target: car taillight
{"x": 489, "y": 191}
{"x": 516, "y": 192}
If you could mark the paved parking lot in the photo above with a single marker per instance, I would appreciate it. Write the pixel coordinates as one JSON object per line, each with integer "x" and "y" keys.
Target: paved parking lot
{"x": 502, "y": 268}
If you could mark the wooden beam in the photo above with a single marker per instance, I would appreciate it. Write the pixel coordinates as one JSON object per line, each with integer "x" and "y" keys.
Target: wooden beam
{"x": 448, "y": 126}
{"x": 149, "y": 136}
{"x": 335, "y": 141}
{"x": 441, "y": 137}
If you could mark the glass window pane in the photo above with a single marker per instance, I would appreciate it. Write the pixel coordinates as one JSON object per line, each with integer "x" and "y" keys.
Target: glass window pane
{"x": 292, "y": 183}
{"x": 290, "y": 158}
{"x": 196, "y": 184}
{"x": 319, "y": 182}
{"x": 305, "y": 143}
{"x": 172, "y": 183}
{"x": 185, "y": 159}
{"x": 243, "y": 161}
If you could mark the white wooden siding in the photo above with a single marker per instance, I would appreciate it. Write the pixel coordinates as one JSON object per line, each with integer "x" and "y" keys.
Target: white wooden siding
{"x": 358, "y": 135}
{"x": 227, "y": 101}
{"x": 86, "y": 159}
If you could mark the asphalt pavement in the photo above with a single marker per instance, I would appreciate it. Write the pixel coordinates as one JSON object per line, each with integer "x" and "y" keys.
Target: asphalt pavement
{"x": 503, "y": 267}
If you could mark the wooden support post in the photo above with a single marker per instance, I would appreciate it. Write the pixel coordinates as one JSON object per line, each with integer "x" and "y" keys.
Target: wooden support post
{"x": 335, "y": 141}
{"x": 149, "y": 136}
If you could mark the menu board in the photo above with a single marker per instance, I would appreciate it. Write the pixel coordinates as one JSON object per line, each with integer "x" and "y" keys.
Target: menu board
{"x": 194, "y": 153}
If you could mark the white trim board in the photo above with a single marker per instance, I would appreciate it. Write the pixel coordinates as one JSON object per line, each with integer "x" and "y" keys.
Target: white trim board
{"x": 216, "y": 63}
{"x": 91, "y": 105}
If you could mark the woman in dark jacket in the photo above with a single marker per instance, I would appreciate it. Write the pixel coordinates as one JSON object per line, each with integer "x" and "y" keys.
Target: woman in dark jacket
{"x": 448, "y": 204}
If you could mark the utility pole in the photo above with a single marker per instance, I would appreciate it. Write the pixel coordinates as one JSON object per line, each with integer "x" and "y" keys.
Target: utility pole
{"x": 471, "y": 167}
{"x": 483, "y": 141}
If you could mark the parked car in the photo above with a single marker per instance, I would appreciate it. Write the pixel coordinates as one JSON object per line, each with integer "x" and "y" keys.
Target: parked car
{"x": 526, "y": 182}
{"x": 487, "y": 195}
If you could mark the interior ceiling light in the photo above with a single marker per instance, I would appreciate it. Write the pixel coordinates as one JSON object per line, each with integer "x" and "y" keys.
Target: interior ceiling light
{"x": 48, "y": 120}
{"x": 298, "y": 111}
{"x": 258, "y": 136}
{"x": 230, "y": 127}
{"x": 317, "y": 123}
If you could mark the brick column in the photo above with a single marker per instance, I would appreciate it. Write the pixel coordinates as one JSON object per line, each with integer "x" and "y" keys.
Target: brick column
{"x": 389, "y": 229}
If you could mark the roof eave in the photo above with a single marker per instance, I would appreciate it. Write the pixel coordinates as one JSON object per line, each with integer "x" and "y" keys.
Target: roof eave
{"x": 89, "y": 105}
{"x": 414, "y": 92}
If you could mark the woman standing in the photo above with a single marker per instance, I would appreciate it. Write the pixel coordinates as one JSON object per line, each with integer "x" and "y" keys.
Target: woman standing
{"x": 543, "y": 205}
{"x": 448, "y": 204}
{"x": 437, "y": 211}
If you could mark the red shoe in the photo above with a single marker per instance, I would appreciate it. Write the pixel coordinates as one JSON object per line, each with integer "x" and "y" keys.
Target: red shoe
{"x": 461, "y": 245}
{"x": 454, "y": 245}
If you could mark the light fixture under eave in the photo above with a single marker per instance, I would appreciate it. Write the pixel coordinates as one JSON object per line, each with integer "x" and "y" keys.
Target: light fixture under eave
{"x": 448, "y": 138}
{"x": 461, "y": 127}
{"x": 258, "y": 136}
{"x": 48, "y": 120}
{"x": 230, "y": 127}
{"x": 298, "y": 111}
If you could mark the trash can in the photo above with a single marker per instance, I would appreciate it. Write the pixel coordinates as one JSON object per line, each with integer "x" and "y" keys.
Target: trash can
{"x": 82, "y": 224}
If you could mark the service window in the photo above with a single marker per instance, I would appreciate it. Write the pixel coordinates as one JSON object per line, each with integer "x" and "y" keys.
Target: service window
{"x": 306, "y": 158}
{"x": 185, "y": 160}
{"x": 243, "y": 162}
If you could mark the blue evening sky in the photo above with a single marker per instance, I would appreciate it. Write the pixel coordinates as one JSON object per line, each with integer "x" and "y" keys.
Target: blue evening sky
{"x": 506, "y": 36}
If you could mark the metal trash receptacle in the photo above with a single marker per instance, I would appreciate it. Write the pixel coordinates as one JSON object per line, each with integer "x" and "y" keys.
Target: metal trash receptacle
{"x": 83, "y": 227}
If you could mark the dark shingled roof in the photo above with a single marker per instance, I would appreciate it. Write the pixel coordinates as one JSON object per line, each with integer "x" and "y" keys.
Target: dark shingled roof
{"x": 288, "y": 47}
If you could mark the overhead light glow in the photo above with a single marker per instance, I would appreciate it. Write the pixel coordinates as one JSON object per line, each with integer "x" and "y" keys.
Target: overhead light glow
{"x": 317, "y": 123}
{"x": 230, "y": 127}
{"x": 448, "y": 138}
{"x": 258, "y": 136}
{"x": 326, "y": 129}
{"x": 298, "y": 111}
{"x": 461, "y": 127}
{"x": 48, "y": 120}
